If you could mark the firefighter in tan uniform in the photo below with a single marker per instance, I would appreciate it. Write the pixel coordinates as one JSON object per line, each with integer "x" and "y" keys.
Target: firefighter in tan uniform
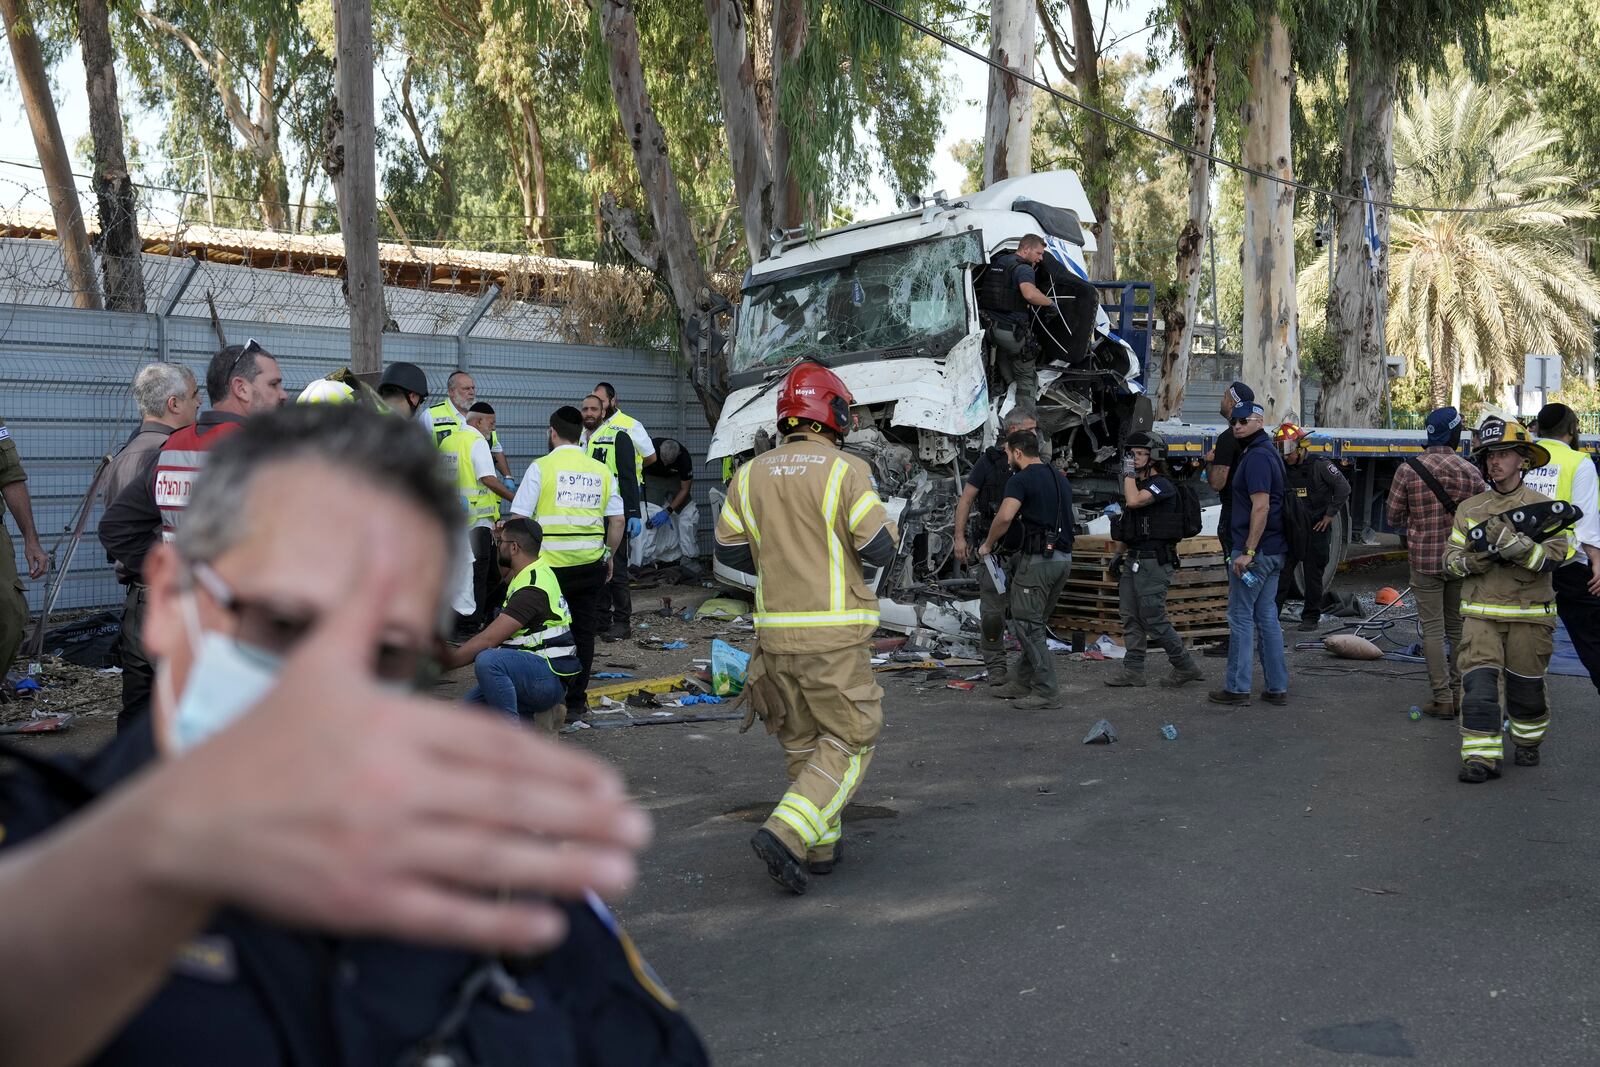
{"x": 806, "y": 516}
{"x": 1506, "y": 544}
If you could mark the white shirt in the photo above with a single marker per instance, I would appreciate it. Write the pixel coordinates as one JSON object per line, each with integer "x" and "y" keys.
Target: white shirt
{"x": 527, "y": 499}
{"x": 482, "y": 467}
{"x": 1585, "y": 494}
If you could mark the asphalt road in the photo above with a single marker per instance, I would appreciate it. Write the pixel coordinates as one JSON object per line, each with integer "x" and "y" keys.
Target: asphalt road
{"x": 1307, "y": 884}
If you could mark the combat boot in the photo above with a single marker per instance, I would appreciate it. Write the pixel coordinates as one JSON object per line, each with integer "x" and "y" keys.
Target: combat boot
{"x": 1183, "y": 672}
{"x": 1038, "y": 703}
{"x": 1012, "y": 690}
{"x": 997, "y": 676}
{"x": 1126, "y": 677}
{"x": 784, "y": 866}
{"x": 1523, "y": 756}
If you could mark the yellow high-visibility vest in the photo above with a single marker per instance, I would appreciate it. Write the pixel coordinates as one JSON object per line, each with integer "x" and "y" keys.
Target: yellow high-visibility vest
{"x": 1555, "y": 478}
{"x": 479, "y": 500}
{"x": 573, "y": 490}
{"x": 551, "y": 637}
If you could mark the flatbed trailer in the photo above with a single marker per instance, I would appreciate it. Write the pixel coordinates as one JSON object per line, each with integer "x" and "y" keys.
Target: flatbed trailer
{"x": 1367, "y": 458}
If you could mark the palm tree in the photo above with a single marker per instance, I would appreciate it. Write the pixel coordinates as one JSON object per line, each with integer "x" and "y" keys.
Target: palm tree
{"x": 1479, "y": 289}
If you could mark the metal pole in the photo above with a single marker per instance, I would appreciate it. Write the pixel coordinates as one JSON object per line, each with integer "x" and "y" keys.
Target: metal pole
{"x": 171, "y": 304}
{"x": 468, "y": 324}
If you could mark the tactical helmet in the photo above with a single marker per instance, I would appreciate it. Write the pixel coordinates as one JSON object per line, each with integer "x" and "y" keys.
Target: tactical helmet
{"x": 407, "y": 376}
{"x": 1152, "y": 441}
{"x": 813, "y": 393}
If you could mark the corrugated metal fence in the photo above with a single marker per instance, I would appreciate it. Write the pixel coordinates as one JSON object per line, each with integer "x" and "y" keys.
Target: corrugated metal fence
{"x": 64, "y": 393}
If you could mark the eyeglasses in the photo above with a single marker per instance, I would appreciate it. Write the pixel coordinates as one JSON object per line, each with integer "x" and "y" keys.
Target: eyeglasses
{"x": 278, "y": 631}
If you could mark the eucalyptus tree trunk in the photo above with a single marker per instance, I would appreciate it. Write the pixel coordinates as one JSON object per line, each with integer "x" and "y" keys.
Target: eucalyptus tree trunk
{"x": 1008, "y": 122}
{"x": 1271, "y": 358}
{"x": 121, "y": 252}
{"x": 1096, "y": 145}
{"x": 1352, "y": 392}
{"x": 34, "y": 84}
{"x": 1179, "y": 341}
{"x": 741, "y": 118}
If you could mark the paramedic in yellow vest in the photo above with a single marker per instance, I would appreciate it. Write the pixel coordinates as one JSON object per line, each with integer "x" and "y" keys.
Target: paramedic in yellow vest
{"x": 805, "y": 518}
{"x": 612, "y": 445}
{"x": 462, "y": 392}
{"x": 1507, "y": 603}
{"x": 466, "y": 449}
{"x": 1570, "y": 476}
{"x": 523, "y": 658}
{"x": 574, "y": 499}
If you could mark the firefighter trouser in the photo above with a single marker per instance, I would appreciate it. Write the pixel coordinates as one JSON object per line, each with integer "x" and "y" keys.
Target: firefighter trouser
{"x": 1142, "y": 596}
{"x": 1514, "y": 654}
{"x": 991, "y": 624}
{"x": 826, "y": 710}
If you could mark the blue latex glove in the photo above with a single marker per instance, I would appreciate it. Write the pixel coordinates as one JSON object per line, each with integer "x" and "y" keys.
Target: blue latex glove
{"x": 635, "y": 527}
{"x": 659, "y": 519}
{"x": 510, "y": 483}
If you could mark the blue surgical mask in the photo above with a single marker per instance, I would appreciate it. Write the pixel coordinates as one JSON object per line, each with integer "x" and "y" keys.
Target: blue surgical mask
{"x": 225, "y": 680}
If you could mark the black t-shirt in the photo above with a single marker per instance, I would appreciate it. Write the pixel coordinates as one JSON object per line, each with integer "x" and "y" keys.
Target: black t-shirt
{"x": 1161, "y": 488}
{"x": 1226, "y": 452}
{"x": 682, "y": 468}
{"x": 529, "y": 606}
{"x": 1046, "y": 498}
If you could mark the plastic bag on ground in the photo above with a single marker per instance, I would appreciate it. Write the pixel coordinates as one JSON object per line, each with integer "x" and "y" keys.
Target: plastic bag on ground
{"x": 728, "y": 667}
{"x": 721, "y": 607}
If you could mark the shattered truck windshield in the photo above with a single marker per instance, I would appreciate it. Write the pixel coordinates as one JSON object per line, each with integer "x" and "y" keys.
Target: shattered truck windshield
{"x": 900, "y": 298}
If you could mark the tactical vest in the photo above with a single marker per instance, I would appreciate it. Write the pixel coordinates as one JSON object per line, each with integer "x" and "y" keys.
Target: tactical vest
{"x": 180, "y": 462}
{"x": 1158, "y": 523}
{"x": 479, "y": 501}
{"x": 990, "y": 494}
{"x": 1555, "y": 478}
{"x": 573, "y": 490}
{"x": 999, "y": 291}
{"x": 1297, "y": 480}
{"x": 551, "y": 637}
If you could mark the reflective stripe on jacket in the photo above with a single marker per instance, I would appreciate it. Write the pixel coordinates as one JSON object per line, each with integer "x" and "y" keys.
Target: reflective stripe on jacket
{"x": 806, "y": 509}
{"x": 573, "y": 490}
{"x": 1497, "y": 589}
{"x": 552, "y": 637}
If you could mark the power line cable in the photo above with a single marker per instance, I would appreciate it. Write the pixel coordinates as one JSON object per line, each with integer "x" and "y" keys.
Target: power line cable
{"x": 1189, "y": 150}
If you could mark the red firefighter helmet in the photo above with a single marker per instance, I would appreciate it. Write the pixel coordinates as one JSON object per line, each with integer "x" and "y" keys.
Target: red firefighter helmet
{"x": 813, "y": 393}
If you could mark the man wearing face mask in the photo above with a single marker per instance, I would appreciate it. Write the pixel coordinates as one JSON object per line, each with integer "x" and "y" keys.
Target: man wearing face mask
{"x": 574, "y": 499}
{"x": 293, "y": 860}
{"x": 523, "y": 658}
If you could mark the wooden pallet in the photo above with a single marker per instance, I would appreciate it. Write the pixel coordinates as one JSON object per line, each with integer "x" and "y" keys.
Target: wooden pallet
{"x": 1197, "y": 602}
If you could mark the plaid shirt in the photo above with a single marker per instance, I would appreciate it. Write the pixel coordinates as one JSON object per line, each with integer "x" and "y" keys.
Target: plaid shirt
{"x": 1414, "y": 508}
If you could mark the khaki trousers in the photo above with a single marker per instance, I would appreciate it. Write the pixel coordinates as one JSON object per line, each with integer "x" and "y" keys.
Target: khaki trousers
{"x": 13, "y": 604}
{"x": 1515, "y": 654}
{"x": 1439, "y": 614}
{"x": 826, "y": 710}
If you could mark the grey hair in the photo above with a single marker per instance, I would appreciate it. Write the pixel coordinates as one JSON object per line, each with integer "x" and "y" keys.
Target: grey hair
{"x": 156, "y": 383}
{"x": 395, "y": 455}
{"x": 1020, "y": 412}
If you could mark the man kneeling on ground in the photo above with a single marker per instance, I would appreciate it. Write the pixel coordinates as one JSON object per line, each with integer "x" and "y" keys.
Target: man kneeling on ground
{"x": 525, "y": 655}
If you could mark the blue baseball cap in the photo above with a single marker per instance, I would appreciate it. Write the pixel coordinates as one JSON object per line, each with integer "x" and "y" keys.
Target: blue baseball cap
{"x": 1242, "y": 393}
{"x": 1247, "y": 409}
{"x": 1442, "y": 423}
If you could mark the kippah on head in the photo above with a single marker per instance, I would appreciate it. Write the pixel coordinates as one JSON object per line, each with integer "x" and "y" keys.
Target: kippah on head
{"x": 1557, "y": 420}
{"x": 481, "y": 408}
{"x": 567, "y": 421}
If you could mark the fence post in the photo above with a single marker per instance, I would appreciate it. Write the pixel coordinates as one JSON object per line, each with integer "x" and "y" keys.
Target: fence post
{"x": 471, "y": 321}
{"x": 171, "y": 304}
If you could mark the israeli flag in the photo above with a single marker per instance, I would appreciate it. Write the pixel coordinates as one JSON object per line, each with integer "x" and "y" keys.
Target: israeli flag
{"x": 1370, "y": 226}
{"x": 1062, "y": 250}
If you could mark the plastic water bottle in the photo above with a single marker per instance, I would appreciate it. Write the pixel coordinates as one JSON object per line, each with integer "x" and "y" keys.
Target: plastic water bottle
{"x": 1250, "y": 578}
{"x": 1170, "y": 732}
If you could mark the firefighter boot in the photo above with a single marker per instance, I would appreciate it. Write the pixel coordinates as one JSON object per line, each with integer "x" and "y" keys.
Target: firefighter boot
{"x": 825, "y": 866}
{"x": 785, "y": 868}
{"x": 1524, "y": 756}
{"x": 1481, "y": 741}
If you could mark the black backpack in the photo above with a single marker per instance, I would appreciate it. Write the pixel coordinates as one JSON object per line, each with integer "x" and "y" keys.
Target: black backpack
{"x": 1188, "y": 508}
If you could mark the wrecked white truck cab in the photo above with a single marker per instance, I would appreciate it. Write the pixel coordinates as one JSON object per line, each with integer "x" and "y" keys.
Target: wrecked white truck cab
{"x": 890, "y": 305}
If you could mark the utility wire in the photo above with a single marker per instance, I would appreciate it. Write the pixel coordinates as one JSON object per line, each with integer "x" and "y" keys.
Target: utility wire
{"x": 1189, "y": 150}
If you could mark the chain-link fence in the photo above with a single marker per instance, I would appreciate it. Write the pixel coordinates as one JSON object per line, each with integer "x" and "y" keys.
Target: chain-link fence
{"x": 65, "y": 379}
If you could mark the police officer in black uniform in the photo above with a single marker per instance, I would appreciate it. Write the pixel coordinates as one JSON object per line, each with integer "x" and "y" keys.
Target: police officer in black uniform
{"x": 1150, "y": 527}
{"x": 208, "y": 961}
{"x": 980, "y": 498}
{"x": 1010, "y": 288}
{"x": 1317, "y": 482}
